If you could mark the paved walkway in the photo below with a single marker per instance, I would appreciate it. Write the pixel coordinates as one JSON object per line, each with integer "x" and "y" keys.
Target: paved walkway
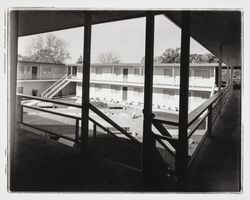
{"x": 46, "y": 165}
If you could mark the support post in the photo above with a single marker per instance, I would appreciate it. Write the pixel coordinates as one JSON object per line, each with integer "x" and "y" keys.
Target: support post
{"x": 228, "y": 78}
{"x": 11, "y": 87}
{"x": 182, "y": 148}
{"x": 148, "y": 141}
{"x": 220, "y": 69}
{"x": 232, "y": 74}
{"x": 209, "y": 119}
{"x": 85, "y": 83}
{"x": 77, "y": 131}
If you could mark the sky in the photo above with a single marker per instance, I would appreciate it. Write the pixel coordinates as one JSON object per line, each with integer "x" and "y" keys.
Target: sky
{"x": 124, "y": 38}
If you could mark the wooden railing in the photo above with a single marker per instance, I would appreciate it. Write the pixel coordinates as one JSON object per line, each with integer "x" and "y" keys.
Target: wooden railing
{"x": 209, "y": 111}
{"x": 77, "y": 119}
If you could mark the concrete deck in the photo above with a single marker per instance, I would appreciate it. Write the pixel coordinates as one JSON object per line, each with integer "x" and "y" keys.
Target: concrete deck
{"x": 46, "y": 165}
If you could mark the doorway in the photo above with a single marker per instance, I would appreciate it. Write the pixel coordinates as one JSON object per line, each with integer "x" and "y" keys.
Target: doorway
{"x": 34, "y": 72}
{"x": 125, "y": 74}
{"x": 125, "y": 93}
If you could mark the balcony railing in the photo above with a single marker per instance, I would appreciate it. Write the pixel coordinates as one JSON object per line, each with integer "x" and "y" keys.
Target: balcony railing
{"x": 208, "y": 111}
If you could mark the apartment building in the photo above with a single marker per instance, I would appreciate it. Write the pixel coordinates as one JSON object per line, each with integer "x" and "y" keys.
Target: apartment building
{"x": 125, "y": 82}
{"x": 33, "y": 78}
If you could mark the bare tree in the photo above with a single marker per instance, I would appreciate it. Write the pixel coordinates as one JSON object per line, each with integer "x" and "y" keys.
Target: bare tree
{"x": 51, "y": 50}
{"x": 108, "y": 57}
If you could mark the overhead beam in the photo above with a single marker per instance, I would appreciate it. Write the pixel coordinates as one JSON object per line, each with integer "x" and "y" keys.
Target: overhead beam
{"x": 86, "y": 83}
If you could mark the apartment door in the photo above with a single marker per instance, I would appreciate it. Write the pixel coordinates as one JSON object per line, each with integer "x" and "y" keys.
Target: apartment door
{"x": 69, "y": 70}
{"x": 34, "y": 72}
{"x": 124, "y": 93}
{"x": 125, "y": 74}
{"x": 74, "y": 70}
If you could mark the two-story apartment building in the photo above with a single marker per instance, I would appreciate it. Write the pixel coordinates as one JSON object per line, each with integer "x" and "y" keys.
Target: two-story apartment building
{"x": 36, "y": 77}
{"x": 124, "y": 83}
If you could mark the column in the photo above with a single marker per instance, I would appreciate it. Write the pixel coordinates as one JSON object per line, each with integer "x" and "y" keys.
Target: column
{"x": 11, "y": 87}
{"x": 148, "y": 142}
{"x": 182, "y": 148}
{"x": 232, "y": 73}
{"x": 220, "y": 69}
{"x": 85, "y": 83}
{"x": 228, "y": 78}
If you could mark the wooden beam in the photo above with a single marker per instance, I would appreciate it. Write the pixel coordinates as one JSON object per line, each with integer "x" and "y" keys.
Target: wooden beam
{"x": 148, "y": 141}
{"x": 11, "y": 89}
{"x": 182, "y": 149}
{"x": 86, "y": 83}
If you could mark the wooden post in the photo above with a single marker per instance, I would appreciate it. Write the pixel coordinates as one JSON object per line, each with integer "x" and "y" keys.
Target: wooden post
{"x": 220, "y": 69}
{"x": 77, "y": 131}
{"x": 182, "y": 148}
{"x": 228, "y": 75}
{"x": 94, "y": 134}
{"x": 209, "y": 120}
{"x": 232, "y": 74}
{"x": 85, "y": 83}
{"x": 148, "y": 141}
{"x": 11, "y": 87}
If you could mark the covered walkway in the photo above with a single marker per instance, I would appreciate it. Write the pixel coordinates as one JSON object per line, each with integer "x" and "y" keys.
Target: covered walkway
{"x": 45, "y": 165}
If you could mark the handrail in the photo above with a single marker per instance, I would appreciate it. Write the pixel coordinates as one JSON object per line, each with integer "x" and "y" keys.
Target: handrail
{"x": 56, "y": 87}
{"x": 53, "y": 112}
{"x": 59, "y": 80}
{"x": 107, "y": 119}
{"x": 49, "y": 100}
{"x": 107, "y": 130}
{"x": 198, "y": 111}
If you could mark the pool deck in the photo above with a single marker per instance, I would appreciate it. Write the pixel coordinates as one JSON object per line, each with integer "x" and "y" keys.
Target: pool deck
{"x": 46, "y": 165}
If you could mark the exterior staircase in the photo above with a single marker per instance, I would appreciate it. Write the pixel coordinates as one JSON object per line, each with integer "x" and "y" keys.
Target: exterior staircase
{"x": 56, "y": 87}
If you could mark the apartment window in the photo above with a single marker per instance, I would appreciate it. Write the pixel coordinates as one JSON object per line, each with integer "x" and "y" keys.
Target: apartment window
{"x": 212, "y": 72}
{"x": 197, "y": 72}
{"x": 201, "y": 95}
{"x": 28, "y": 69}
{"x": 177, "y": 72}
{"x": 205, "y": 73}
{"x": 21, "y": 69}
{"x": 98, "y": 71}
{"x": 136, "y": 71}
{"x": 167, "y": 94}
{"x": 46, "y": 69}
{"x": 137, "y": 91}
{"x": 168, "y": 72}
{"x": 142, "y": 71}
{"x": 117, "y": 71}
{"x": 115, "y": 89}
{"x": 98, "y": 87}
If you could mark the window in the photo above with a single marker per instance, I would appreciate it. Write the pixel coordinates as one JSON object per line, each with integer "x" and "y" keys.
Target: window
{"x": 46, "y": 69}
{"x": 177, "y": 72}
{"x": 168, "y": 72}
{"x": 115, "y": 89}
{"x": 28, "y": 69}
{"x": 197, "y": 72}
{"x": 136, "y": 71}
{"x": 98, "y": 87}
{"x": 98, "y": 71}
{"x": 205, "y": 73}
{"x": 167, "y": 94}
{"x": 201, "y": 95}
{"x": 137, "y": 91}
{"x": 117, "y": 71}
{"x": 21, "y": 69}
{"x": 142, "y": 71}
